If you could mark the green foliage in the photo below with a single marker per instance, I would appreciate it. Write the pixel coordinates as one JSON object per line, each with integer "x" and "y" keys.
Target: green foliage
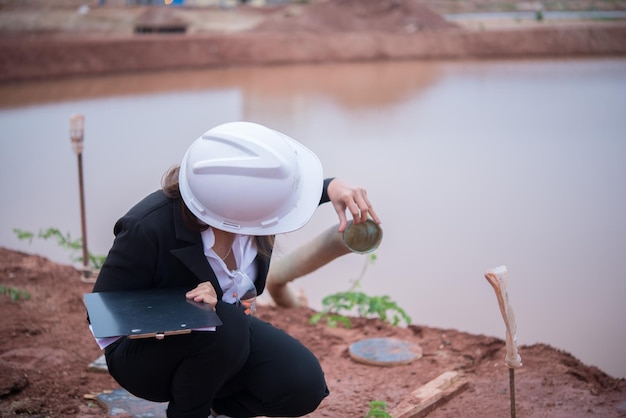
{"x": 332, "y": 319}
{"x": 14, "y": 293}
{"x": 64, "y": 241}
{"x": 378, "y": 409}
{"x": 360, "y": 304}
{"x": 539, "y": 16}
{"x": 22, "y": 235}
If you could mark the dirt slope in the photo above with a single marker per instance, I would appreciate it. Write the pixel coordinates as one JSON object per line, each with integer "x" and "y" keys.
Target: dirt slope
{"x": 46, "y": 348}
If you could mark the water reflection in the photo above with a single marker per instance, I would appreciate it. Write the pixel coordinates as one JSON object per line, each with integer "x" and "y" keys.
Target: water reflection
{"x": 348, "y": 84}
{"x": 470, "y": 164}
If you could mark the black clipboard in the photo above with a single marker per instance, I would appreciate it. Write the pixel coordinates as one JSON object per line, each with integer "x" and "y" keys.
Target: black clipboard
{"x": 147, "y": 313}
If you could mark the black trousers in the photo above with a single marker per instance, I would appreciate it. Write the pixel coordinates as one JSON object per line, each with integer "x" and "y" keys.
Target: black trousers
{"x": 246, "y": 368}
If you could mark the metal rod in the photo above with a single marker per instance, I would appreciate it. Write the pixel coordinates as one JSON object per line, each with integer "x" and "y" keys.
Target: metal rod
{"x": 512, "y": 390}
{"x": 82, "y": 216}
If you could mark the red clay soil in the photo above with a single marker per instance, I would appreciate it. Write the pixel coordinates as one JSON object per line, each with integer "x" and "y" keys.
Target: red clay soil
{"x": 357, "y": 16}
{"x": 36, "y": 44}
{"x": 47, "y": 347}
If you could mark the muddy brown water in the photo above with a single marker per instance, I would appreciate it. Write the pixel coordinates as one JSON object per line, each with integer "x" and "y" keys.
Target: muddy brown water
{"x": 471, "y": 165}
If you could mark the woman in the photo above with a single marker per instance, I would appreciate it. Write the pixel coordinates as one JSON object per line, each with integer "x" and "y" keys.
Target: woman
{"x": 211, "y": 229}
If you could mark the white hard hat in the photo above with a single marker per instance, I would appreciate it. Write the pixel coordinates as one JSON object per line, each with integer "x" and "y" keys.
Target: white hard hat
{"x": 245, "y": 178}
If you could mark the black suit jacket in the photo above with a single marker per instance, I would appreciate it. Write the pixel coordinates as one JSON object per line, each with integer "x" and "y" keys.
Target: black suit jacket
{"x": 154, "y": 248}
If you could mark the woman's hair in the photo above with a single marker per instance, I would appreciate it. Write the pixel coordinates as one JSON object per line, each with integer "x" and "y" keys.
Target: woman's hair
{"x": 169, "y": 183}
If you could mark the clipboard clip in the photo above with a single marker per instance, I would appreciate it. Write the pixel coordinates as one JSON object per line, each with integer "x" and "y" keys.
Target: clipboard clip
{"x": 159, "y": 335}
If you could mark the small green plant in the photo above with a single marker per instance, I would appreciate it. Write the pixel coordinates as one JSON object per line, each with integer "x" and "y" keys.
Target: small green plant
{"x": 64, "y": 241}
{"x": 14, "y": 293}
{"x": 378, "y": 409}
{"x": 365, "y": 306}
{"x": 359, "y": 303}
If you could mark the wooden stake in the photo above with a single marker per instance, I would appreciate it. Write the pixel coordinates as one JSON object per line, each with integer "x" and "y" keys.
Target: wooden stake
{"x": 497, "y": 278}
{"x": 77, "y": 132}
{"x": 83, "y": 223}
{"x": 512, "y": 390}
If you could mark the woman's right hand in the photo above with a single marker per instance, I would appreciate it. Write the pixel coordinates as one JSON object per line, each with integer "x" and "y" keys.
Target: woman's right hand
{"x": 344, "y": 196}
{"x": 204, "y": 292}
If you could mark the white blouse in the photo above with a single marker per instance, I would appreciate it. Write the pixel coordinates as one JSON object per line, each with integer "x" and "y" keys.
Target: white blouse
{"x": 245, "y": 251}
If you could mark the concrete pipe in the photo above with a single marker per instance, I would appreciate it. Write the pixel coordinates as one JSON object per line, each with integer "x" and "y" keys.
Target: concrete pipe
{"x": 329, "y": 245}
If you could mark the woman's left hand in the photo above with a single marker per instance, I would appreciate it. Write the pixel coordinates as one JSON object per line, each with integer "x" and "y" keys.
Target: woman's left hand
{"x": 344, "y": 196}
{"x": 205, "y": 293}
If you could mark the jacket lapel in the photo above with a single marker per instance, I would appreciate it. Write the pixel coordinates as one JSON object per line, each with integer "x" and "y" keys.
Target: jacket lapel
{"x": 191, "y": 253}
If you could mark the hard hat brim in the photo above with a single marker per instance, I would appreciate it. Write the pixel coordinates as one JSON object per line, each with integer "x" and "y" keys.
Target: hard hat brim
{"x": 312, "y": 180}
{"x": 310, "y": 184}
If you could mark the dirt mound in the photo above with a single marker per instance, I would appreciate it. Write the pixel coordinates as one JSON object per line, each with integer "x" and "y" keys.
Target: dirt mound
{"x": 56, "y": 43}
{"x": 389, "y": 16}
{"x": 47, "y": 348}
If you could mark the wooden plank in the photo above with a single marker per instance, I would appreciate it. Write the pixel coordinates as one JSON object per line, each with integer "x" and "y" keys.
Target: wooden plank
{"x": 433, "y": 394}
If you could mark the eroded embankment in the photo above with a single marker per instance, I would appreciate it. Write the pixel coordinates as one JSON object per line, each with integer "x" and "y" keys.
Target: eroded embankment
{"x": 44, "y": 57}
